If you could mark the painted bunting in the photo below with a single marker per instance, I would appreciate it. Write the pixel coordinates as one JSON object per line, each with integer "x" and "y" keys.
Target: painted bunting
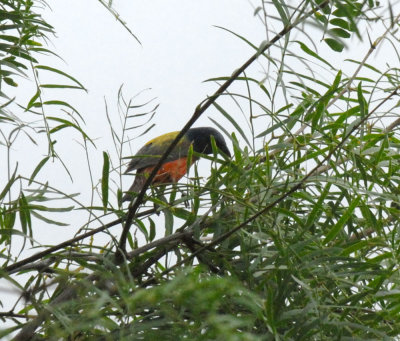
{"x": 175, "y": 166}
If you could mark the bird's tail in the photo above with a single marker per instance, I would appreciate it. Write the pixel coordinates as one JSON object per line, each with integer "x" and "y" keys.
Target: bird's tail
{"x": 136, "y": 187}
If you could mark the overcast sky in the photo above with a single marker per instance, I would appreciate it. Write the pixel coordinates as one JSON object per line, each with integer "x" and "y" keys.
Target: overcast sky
{"x": 181, "y": 47}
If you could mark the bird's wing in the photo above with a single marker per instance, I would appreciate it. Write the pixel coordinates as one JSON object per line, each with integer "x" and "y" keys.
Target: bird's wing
{"x": 150, "y": 153}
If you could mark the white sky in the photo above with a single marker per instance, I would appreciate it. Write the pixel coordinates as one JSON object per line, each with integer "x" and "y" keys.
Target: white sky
{"x": 181, "y": 48}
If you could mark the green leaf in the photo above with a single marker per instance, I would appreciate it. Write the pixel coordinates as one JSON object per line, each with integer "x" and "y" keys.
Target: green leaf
{"x": 8, "y": 185}
{"x": 65, "y": 104}
{"x": 361, "y": 100}
{"x": 282, "y": 10}
{"x": 47, "y": 220}
{"x": 38, "y": 168}
{"x": 25, "y": 216}
{"x": 10, "y": 81}
{"x": 48, "y": 68}
{"x": 369, "y": 66}
{"x": 9, "y": 218}
{"x": 322, "y": 18}
{"x": 236, "y": 149}
{"x": 152, "y": 229}
{"x": 360, "y": 245}
{"x": 50, "y": 209}
{"x": 233, "y": 122}
{"x": 342, "y": 221}
{"x": 33, "y": 99}
{"x": 142, "y": 228}
{"x": 274, "y": 127}
{"x": 59, "y": 86}
{"x": 8, "y": 232}
{"x": 239, "y": 36}
{"x": 339, "y": 22}
{"x": 317, "y": 207}
{"x": 169, "y": 221}
{"x": 256, "y": 48}
{"x": 189, "y": 159}
{"x": 339, "y": 32}
{"x": 181, "y": 213}
{"x": 326, "y": 9}
{"x": 335, "y": 45}
{"x": 336, "y": 82}
{"x": 66, "y": 124}
{"x": 307, "y": 50}
{"x": 104, "y": 180}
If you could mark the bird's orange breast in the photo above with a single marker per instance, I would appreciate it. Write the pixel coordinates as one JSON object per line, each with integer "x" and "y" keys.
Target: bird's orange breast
{"x": 171, "y": 171}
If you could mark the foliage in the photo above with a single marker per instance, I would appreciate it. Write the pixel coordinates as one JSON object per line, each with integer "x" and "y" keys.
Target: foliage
{"x": 294, "y": 238}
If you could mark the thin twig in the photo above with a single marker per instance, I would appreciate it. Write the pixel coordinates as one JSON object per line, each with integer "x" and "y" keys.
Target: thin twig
{"x": 14, "y": 315}
{"x": 118, "y": 18}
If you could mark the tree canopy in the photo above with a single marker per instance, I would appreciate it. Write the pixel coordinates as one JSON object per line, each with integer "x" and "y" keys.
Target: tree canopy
{"x": 296, "y": 237}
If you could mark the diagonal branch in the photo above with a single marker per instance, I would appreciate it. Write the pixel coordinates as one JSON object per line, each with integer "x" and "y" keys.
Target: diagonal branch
{"x": 166, "y": 243}
{"x": 17, "y": 265}
{"x": 200, "y": 109}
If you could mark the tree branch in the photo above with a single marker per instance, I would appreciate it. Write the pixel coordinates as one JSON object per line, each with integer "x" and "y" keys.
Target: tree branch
{"x": 17, "y": 265}
{"x": 200, "y": 109}
{"x": 299, "y": 185}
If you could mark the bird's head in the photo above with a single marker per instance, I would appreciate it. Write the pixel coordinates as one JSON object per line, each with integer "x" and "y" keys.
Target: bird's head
{"x": 201, "y": 139}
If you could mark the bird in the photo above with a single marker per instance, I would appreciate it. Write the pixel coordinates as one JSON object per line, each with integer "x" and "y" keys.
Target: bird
{"x": 175, "y": 165}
